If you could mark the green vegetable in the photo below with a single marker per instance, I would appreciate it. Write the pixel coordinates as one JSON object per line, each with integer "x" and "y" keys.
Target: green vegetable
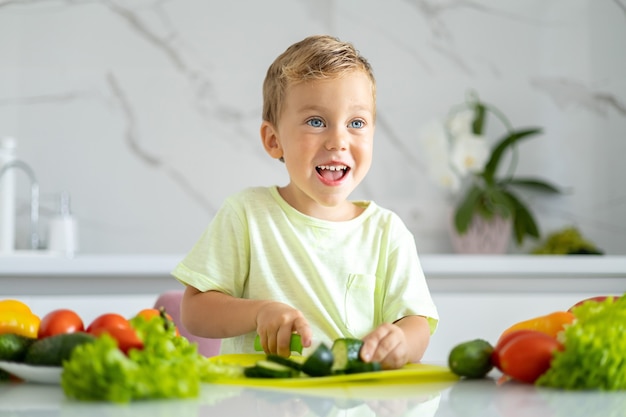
{"x": 53, "y": 350}
{"x": 567, "y": 241}
{"x": 270, "y": 369}
{"x": 360, "y": 366}
{"x": 168, "y": 366}
{"x": 285, "y": 361}
{"x": 471, "y": 359}
{"x": 295, "y": 344}
{"x": 13, "y": 347}
{"x": 594, "y": 355}
{"x": 320, "y": 362}
{"x": 346, "y": 353}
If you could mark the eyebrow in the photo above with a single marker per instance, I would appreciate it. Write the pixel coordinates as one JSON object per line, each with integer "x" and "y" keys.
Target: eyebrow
{"x": 317, "y": 108}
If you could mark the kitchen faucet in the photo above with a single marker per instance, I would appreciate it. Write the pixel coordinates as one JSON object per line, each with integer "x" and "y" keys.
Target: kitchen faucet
{"x": 34, "y": 198}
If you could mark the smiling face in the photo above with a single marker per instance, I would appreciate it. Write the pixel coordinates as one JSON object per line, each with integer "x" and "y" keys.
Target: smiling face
{"x": 325, "y": 135}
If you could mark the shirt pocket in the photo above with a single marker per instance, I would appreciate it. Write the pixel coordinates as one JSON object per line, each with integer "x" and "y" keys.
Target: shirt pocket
{"x": 359, "y": 304}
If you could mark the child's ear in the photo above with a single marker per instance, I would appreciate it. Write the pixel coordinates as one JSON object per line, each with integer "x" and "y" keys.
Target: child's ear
{"x": 269, "y": 137}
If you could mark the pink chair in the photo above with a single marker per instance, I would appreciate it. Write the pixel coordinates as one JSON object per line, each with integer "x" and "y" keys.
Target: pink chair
{"x": 170, "y": 301}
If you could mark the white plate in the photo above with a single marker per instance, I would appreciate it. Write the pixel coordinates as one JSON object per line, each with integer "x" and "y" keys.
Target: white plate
{"x": 40, "y": 374}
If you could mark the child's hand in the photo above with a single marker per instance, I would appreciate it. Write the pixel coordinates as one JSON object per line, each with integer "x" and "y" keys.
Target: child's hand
{"x": 275, "y": 322}
{"x": 388, "y": 345}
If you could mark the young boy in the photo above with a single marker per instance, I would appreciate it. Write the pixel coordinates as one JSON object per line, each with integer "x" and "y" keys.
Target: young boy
{"x": 303, "y": 258}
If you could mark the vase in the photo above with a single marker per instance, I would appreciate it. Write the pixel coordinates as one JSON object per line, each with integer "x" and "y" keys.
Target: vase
{"x": 483, "y": 236}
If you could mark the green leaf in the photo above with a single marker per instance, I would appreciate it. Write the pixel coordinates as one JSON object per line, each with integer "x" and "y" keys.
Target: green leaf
{"x": 503, "y": 144}
{"x": 465, "y": 209}
{"x": 523, "y": 221}
{"x": 535, "y": 184}
{"x": 479, "y": 119}
{"x": 494, "y": 201}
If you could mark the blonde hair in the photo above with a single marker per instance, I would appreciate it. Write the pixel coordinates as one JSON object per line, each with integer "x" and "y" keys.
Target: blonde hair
{"x": 314, "y": 58}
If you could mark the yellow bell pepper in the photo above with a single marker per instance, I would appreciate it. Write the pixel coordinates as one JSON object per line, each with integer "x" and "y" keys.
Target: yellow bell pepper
{"x": 17, "y": 318}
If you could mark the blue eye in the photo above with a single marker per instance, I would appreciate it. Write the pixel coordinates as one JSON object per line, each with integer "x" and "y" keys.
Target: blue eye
{"x": 315, "y": 122}
{"x": 357, "y": 124}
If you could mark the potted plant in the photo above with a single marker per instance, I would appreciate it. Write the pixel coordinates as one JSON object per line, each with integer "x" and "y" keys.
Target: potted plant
{"x": 461, "y": 160}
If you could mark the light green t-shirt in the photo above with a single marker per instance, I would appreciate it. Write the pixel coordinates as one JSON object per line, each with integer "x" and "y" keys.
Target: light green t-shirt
{"x": 345, "y": 277}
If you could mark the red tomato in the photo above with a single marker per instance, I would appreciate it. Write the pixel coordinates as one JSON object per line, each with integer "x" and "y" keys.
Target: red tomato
{"x": 126, "y": 337}
{"x": 504, "y": 339}
{"x": 108, "y": 321}
{"x": 58, "y": 322}
{"x": 527, "y": 356}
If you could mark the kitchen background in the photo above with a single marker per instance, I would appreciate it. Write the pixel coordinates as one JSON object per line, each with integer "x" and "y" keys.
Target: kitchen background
{"x": 147, "y": 111}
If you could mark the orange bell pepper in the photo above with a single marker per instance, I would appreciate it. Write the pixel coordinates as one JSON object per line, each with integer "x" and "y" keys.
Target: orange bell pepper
{"x": 551, "y": 324}
{"x": 17, "y": 318}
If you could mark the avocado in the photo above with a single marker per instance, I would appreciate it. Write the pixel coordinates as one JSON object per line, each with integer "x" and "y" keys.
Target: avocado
{"x": 53, "y": 350}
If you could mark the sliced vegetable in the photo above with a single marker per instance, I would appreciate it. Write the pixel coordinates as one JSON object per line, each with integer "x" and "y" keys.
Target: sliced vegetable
{"x": 360, "y": 366}
{"x": 320, "y": 362}
{"x": 345, "y": 353}
{"x": 285, "y": 361}
{"x": 270, "y": 369}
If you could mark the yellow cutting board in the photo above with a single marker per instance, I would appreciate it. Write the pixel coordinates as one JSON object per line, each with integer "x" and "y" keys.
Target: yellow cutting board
{"x": 414, "y": 373}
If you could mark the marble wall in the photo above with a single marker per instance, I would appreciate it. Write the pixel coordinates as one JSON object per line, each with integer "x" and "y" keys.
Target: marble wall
{"x": 147, "y": 111}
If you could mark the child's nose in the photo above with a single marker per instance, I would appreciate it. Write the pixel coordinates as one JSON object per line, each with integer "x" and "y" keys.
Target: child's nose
{"x": 337, "y": 140}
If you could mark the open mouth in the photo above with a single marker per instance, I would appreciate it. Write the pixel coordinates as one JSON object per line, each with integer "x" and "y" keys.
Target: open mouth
{"x": 332, "y": 172}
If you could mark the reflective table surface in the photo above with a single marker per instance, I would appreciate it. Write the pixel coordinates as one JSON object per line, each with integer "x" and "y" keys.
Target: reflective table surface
{"x": 482, "y": 398}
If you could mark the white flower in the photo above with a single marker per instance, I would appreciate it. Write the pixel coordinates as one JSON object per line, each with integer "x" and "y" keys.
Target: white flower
{"x": 445, "y": 177}
{"x": 470, "y": 152}
{"x": 461, "y": 123}
{"x": 437, "y": 150}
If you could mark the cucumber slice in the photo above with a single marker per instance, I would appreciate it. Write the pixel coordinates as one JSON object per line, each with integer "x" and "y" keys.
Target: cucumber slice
{"x": 269, "y": 369}
{"x": 320, "y": 362}
{"x": 360, "y": 366}
{"x": 346, "y": 353}
{"x": 285, "y": 361}
{"x": 295, "y": 344}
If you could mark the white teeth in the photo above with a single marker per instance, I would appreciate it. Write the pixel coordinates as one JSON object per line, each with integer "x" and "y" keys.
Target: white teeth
{"x": 333, "y": 167}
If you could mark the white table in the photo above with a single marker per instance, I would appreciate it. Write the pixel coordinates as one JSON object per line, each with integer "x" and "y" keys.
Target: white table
{"x": 482, "y": 398}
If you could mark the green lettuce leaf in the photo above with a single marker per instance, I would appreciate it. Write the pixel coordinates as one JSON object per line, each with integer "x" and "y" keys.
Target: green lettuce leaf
{"x": 594, "y": 355}
{"x": 168, "y": 366}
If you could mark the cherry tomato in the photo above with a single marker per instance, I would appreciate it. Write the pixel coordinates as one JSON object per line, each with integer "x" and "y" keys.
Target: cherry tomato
{"x": 126, "y": 337}
{"x": 108, "y": 321}
{"x": 149, "y": 313}
{"x": 58, "y": 322}
{"x": 528, "y": 356}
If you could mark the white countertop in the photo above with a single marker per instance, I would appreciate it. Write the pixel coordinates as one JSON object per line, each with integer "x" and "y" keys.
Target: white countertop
{"x": 43, "y": 263}
{"x": 484, "y": 398}
{"x": 445, "y": 273}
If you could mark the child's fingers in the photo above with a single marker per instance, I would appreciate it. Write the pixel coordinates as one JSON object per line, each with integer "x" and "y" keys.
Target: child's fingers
{"x": 301, "y": 326}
